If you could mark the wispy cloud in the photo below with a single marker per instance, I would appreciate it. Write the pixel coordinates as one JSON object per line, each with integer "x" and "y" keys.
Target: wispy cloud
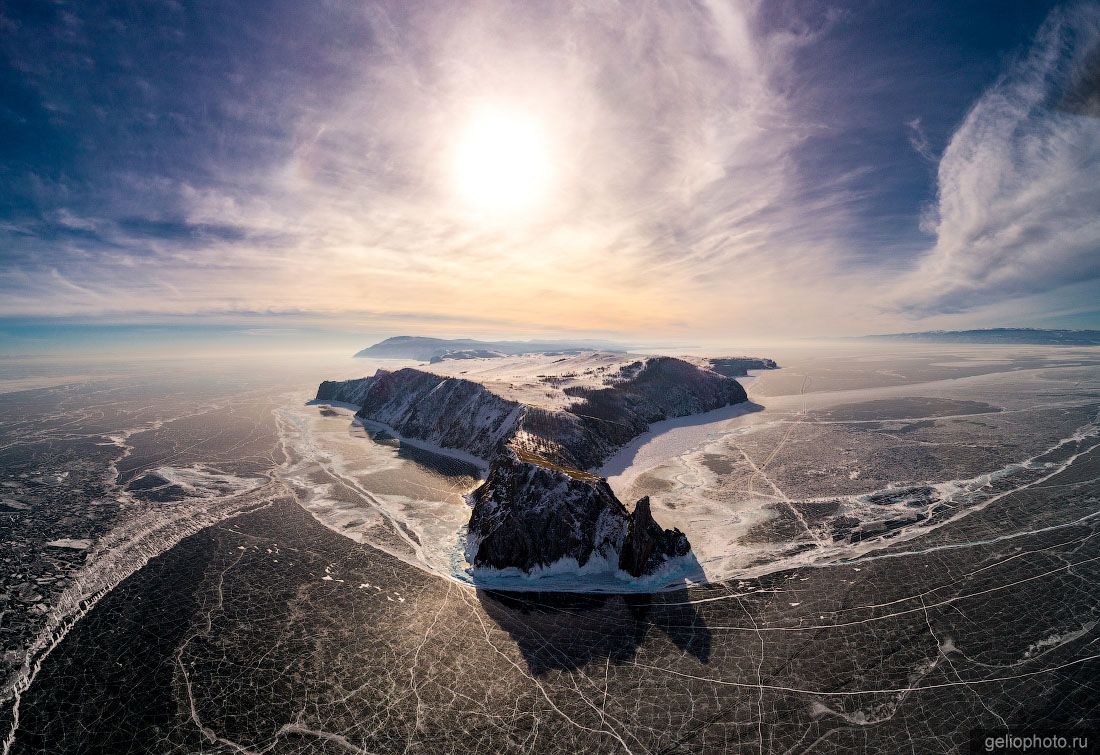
{"x": 918, "y": 140}
{"x": 693, "y": 187}
{"x": 672, "y": 145}
{"x": 1018, "y": 207}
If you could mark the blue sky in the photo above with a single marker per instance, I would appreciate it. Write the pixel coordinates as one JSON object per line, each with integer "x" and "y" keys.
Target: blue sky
{"x": 678, "y": 171}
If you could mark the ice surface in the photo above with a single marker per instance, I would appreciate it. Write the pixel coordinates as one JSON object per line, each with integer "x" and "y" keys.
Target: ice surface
{"x": 723, "y": 518}
{"x": 342, "y": 478}
{"x": 269, "y": 632}
{"x": 68, "y": 542}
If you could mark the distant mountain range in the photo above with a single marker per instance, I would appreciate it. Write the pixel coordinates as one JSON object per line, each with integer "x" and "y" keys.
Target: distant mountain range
{"x": 1033, "y": 336}
{"x": 424, "y": 348}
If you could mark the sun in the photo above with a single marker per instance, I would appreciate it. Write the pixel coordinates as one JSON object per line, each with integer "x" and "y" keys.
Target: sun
{"x": 501, "y": 163}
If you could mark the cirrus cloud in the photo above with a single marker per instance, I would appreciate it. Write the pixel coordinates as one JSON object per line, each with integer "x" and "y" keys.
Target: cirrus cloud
{"x": 1018, "y": 205}
{"x": 706, "y": 179}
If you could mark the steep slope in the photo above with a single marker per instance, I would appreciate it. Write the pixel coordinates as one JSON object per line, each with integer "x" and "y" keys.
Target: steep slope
{"x": 537, "y": 508}
{"x": 647, "y": 545}
{"x": 644, "y": 392}
{"x": 447, "y": 412}
{"x": 529, "y": 514}
{"x": 740, "y": 366}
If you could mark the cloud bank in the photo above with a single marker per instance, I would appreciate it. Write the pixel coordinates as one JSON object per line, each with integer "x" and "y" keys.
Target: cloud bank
{"x": 1018, "y": 205}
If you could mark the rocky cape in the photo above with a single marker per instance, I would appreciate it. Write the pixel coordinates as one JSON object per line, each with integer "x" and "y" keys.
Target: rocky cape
{"x": 538, "y": 507}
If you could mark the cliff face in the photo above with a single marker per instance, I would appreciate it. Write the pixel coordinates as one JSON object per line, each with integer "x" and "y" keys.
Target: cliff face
{"x": 536, "y": 507}
{"x": 647, "y": 545}
{"x": 649, "y": 391}
{"x": 465, "y": 415}
{"x": 527, "y": 515}
{"x": 740, "y": 366}
{"x": 447, "y": 412}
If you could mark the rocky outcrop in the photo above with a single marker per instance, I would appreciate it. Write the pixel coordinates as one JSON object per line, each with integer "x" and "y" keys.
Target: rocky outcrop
{"x": 529, "y": 514}
{"x": 646, "y": 391}
{"x": 537, "y": 506}
{"x": 648, "y": 545}
{"x": 740, "y": 366}
{"x": 444, "y": 411}
{"x": 465, "y": 415}
{"x": 344, "y": 391}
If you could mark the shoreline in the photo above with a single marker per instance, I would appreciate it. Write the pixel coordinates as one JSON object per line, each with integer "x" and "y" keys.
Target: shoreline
{"x": 627, "y": 456}
{"x": 369, "y": 424}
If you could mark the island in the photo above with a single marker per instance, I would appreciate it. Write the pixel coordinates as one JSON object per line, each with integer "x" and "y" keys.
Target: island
{"x": 740, "y": 366}
{"x": 424, "y": 348}
{"x": 539, "y": 424}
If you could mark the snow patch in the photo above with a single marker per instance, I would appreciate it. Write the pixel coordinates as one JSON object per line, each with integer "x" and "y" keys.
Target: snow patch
{"x": 70, "y": 543}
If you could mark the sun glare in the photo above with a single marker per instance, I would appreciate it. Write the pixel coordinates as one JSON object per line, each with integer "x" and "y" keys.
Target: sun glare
{"x": 501, "y": 163}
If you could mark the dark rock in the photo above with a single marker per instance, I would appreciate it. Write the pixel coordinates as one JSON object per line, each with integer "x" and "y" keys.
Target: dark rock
{"x": 346, "y": 391}
{"x": 445, "y": 411}
{"x": 528, "y": 514}
{"x": 461, "y": 414}
{"x": 740, "y": 366}
{"x": 647, "y": 545}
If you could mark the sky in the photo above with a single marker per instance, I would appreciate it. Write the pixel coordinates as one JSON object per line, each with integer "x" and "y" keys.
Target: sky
{"x": 335, "y": 172}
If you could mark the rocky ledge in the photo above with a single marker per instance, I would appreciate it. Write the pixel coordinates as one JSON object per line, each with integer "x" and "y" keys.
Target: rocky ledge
{"x": 538, "y": 508}
{"x": 530, "y": 514}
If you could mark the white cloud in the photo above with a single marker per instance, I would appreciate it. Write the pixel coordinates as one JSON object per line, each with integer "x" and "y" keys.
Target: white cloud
{"x": 680, "y": 200}
{"x": 677, "y": 197}
{"x": 918, "y": 140}
{"x": 1018, "y": 207}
